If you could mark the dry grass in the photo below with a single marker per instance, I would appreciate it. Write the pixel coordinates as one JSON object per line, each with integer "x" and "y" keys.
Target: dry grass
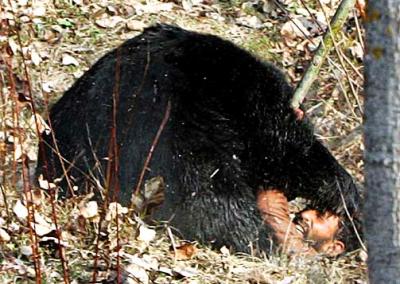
{"x": 84, "y": 31}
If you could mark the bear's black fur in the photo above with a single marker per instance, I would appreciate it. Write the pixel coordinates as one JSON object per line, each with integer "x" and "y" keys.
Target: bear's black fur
{"x": 230, "y": 131}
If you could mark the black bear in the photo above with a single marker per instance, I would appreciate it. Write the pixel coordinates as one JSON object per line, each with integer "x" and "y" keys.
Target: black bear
{"x": 213, "y": 120}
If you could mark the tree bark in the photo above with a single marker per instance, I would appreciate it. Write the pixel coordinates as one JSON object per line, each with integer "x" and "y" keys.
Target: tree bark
{"x": 382, "y": 141}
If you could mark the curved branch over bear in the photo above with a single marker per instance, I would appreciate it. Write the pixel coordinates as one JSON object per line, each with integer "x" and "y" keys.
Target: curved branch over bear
{"x": 231, "y": 153}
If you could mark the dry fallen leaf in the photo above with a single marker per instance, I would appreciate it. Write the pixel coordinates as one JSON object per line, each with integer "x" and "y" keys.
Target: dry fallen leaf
{"x": 35, "y": 57}
{"x": 146, "y": 261}
{"x": 89, "y": 210}
{"x": 44, "y": 184}
{"x": 185, "y": 271}
{"x": 47, "y": 87}
{"x": 42, "y": 226}
{"x": 32, "y": 154}
{"x": 146, "y": 235}
{"x": 20, "y": 210}
{"x": 55, "y": 241}
{"x": 4, "y": 236}
{"x": 357, "y": 51}
{"x": 269, "y": 6}
{"x": 69, "y": 60}
{"x": 26, "y": 250}
{"x": 135, "y": 272}
{"x": 36, "y": 197}
{"x": 250, "y": 22}
{"x": 225, "y": 251}
{"x": 135, "y": 25}
{"x": 113, "y": 208}
{"x": 287, "y": 280}
{"x": 165, "y": 270}
{"x": 153, "y": 7}
{"x": 40, "y": 219}
{"x": 13, "y": 46}
{"x": 39, "y": 11}
{"x": 187, "y": 5}
{"x": 110, "y": 22}
{"x": 17, "y": 152}
{"x": 42, "y": 229}
{"x": 294, "y": 29}
{"x": 185, "y": 251}
{"x": 38, "y": 120}
{"x": 14, "y": 227}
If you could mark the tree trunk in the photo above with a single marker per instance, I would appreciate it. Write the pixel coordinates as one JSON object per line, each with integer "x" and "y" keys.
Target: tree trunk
{"x": 382, "y": 140}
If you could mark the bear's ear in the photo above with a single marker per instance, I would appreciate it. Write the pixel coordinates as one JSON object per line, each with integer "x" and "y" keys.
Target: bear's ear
{"x": 334, "y": 248}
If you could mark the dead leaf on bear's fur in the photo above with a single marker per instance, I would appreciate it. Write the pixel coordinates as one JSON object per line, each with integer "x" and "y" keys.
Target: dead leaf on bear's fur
{"x": 185, "y": 251}
{"x": 153, "y": 195}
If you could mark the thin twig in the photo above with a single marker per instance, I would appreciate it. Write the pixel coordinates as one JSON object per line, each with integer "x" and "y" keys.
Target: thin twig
{"x": 326, "y": 44}
{"x": 152, "y": 148}
{"x": 350, "y": 217}
{"x": 335, "y": 45}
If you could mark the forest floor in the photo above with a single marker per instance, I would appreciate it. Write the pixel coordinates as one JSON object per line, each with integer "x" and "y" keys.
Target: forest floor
{"x": 46, "y": 45}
